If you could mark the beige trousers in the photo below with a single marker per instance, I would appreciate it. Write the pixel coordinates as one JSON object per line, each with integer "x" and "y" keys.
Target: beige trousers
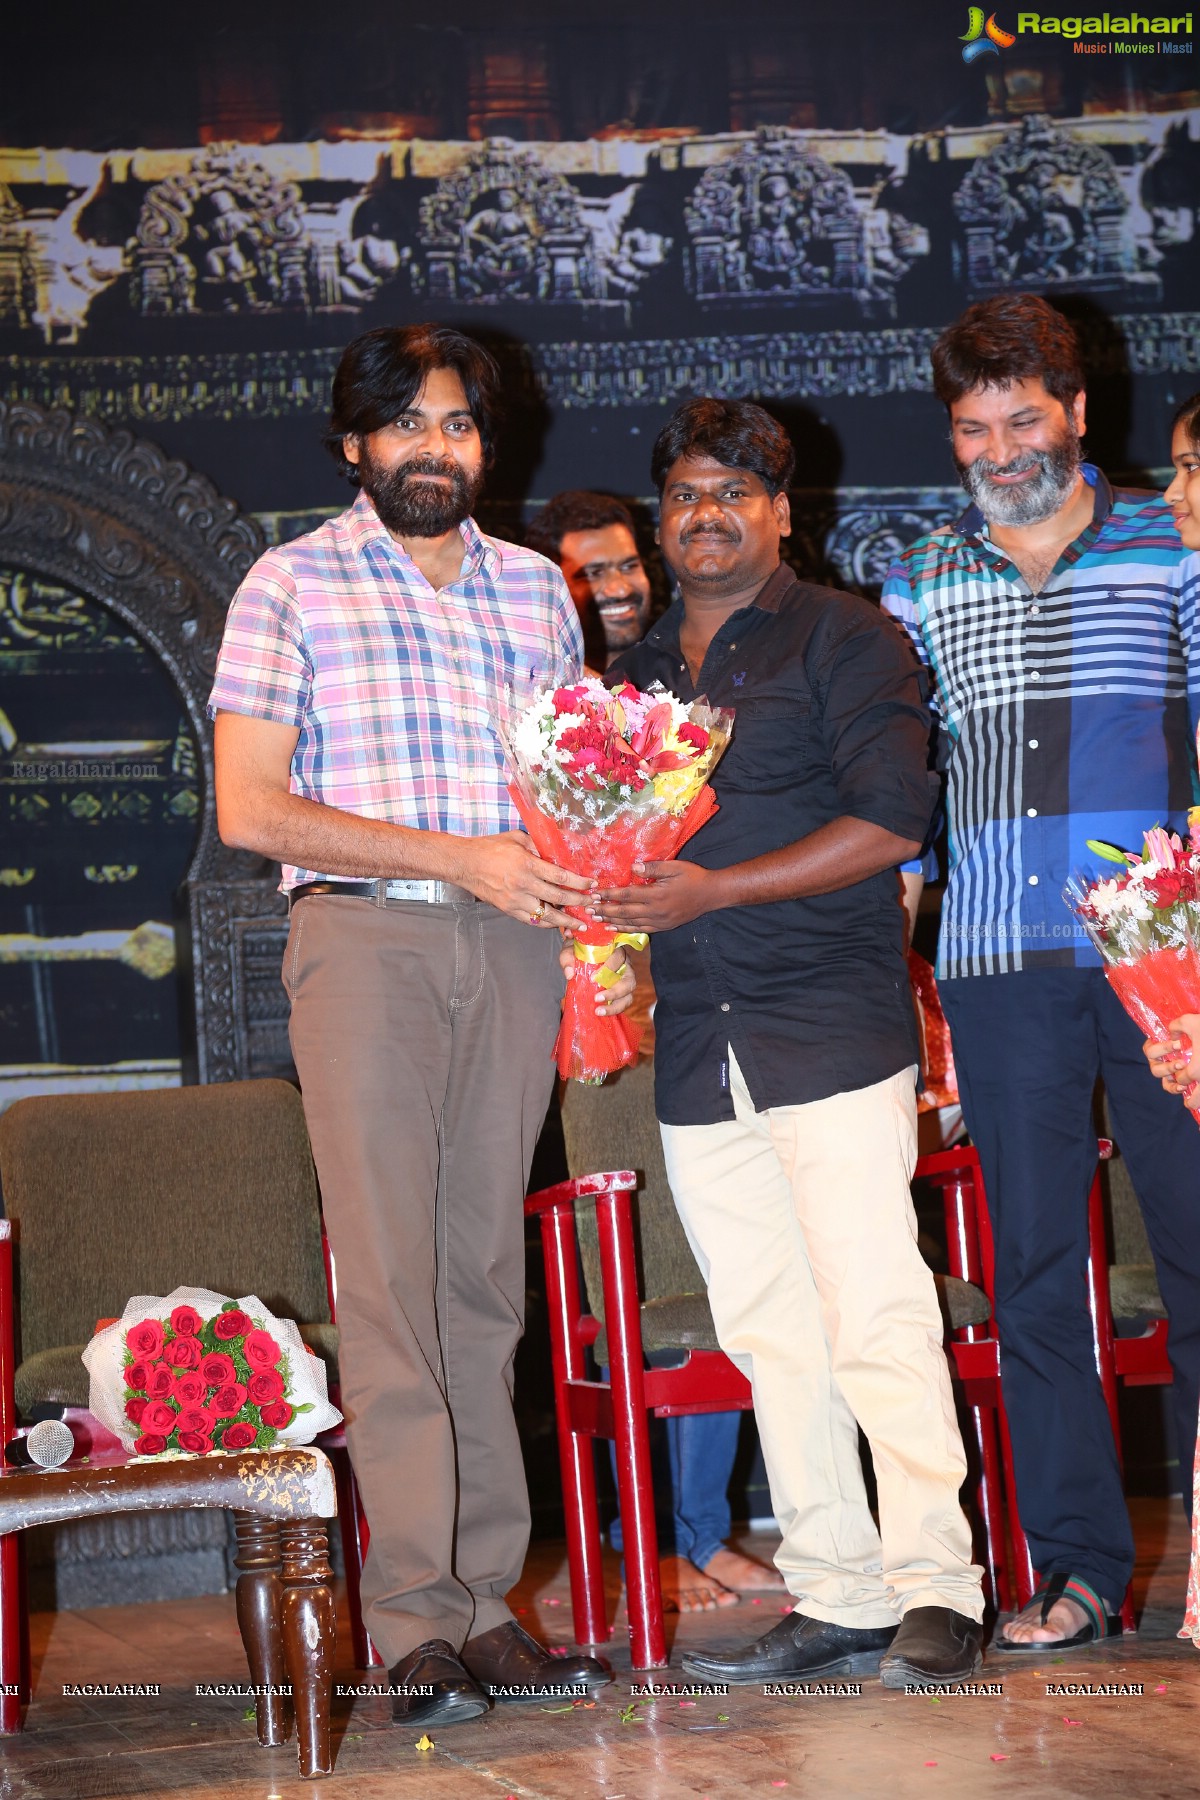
{"x": 802, "y": 1222}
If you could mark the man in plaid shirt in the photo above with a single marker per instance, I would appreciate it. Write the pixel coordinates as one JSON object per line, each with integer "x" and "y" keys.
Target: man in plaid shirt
{"x": 360, "y": 674}
{"x": 1057, "y": 620}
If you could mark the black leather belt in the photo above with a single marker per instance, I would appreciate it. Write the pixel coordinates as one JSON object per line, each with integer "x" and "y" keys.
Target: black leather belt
{"x": 388, "y": 893}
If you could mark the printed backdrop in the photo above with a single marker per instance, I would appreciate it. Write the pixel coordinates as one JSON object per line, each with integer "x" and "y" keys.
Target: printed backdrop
{"x": 632, "y": 204}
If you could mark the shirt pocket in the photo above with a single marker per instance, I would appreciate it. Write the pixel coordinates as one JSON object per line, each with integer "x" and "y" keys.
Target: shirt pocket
{"x": 769, "y": 745}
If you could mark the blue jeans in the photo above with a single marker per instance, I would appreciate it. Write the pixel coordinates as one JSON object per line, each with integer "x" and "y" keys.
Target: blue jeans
{"x": 692, "y": 1492}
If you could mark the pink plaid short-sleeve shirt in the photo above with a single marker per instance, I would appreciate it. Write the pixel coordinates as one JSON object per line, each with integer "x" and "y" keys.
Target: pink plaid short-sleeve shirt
{"x": 395, "y": 686}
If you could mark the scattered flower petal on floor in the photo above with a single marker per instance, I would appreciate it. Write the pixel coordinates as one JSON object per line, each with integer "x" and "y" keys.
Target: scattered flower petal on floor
{"x": 425, "y": 1742}
{"x": 998, "y": 1756}
{"x": 1067, "y": 1721}
{"x": 1161, "y": 1688}
{"x": 931, "y": 1765}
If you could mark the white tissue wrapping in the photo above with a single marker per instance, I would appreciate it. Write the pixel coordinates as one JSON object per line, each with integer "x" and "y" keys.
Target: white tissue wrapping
{"x": 104, "y": 1359}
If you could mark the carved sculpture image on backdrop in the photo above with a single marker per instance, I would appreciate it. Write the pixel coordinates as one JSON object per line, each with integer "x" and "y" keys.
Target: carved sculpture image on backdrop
{"x": 749, "y": 220}
{"x": 118, "y": 562}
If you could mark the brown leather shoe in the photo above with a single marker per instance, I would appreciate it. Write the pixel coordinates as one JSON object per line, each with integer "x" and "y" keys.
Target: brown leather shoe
{"x": 512, "y": 1668}
{"x": 436, "y": 1689}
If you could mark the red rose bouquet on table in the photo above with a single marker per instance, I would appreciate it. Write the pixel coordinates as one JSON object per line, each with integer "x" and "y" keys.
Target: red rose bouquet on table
{"x": 1145, "y": 922}
{"x": 604, "y": 778}
{"x": 196, "y": 1372}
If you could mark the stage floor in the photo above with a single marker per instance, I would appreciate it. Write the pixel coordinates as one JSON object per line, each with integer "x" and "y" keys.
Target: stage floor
{"x": 877, "y": 1746}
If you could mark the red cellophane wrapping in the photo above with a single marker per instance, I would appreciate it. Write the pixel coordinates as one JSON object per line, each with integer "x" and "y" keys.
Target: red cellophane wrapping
{"x": 1158, "y": 987}
{"x": 590, "y": 1045}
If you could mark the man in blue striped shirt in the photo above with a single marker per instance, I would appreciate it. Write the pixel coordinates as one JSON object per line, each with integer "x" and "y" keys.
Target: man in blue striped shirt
{"x": 1056, "y": 618}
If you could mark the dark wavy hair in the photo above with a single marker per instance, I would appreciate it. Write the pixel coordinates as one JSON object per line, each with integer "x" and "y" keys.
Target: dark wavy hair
{"x": 1010, "y": 338}
{"x": 1188, "y": 415}
{"x": 735, "y": 433}
{"x": 382, "y": 372}
{"x": 575, "y": 509}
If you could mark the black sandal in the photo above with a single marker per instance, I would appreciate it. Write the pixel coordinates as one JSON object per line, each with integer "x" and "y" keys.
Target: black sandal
{"x": 1100, "y": 1622}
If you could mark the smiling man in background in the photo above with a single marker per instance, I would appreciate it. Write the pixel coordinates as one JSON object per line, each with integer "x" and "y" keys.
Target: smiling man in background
{"x": 591, "y": 538}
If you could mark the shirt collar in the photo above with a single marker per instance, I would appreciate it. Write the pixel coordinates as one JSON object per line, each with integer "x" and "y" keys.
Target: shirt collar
{"x": 364, "y": 529}
{"x": 972, "y": 523}
{"x": 768, "y": 597}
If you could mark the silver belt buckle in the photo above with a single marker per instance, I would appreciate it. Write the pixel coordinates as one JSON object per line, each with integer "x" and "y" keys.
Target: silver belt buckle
{"x": 428, "y": 891}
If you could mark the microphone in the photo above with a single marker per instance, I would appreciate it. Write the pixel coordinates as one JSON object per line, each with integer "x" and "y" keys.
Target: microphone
{"x": 45, "y": 1445}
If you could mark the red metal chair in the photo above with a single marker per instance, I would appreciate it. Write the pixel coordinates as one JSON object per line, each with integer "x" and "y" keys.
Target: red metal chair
{"x": 619, "y": 1409}
{"x": 972, "y": 1257}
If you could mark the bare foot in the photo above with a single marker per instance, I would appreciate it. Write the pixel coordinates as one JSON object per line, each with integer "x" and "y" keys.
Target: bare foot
{"x": 685, "y": 1588}
{"x": 742, "y": 1573}
{"x": 1064, "y": 1619}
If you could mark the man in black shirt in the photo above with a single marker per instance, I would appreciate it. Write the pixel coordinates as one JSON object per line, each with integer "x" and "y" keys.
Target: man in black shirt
{"x": 786, "y": 1061}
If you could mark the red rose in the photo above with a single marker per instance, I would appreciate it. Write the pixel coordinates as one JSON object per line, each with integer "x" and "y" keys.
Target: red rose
{"x": 231, "y": 1324}
{"x": 145, "y": 1340}
{"x": 196, "y": 1443}
{"x": 136, "y": 1376}
{"x": 160, "y": 1381}
{"x": 217, "y": 1369}
{"x": 278, "y": 1415}
{"x": 184, "y": 1353}
{"x": 266, "y": 1386}
{"x": 225, "y": 1401}
{"x": 186, "y": 1321}
{"x": 134, "y": 1409}
{"x": 150, "y": 1444}
{"x": 194, "y": 1419}
{"x": 262, "y": 1352}
{"x": 189, "y": 1388}
{"x": 158, "y": 1416}
{"x": 1165, "y": 887}
{"x": 238, "y": 1436}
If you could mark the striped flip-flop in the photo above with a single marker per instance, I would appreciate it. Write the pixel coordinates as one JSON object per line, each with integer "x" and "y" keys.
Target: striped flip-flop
{"x": 1100, "y": 1622}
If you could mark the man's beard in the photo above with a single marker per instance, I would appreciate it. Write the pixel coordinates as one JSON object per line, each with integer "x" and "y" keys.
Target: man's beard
{"x": 411, "y": 507}
{"x": 1030, "y": 501}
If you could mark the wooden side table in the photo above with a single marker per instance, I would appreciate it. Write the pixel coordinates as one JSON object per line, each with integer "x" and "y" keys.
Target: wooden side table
{"x": 279, "y": 1499}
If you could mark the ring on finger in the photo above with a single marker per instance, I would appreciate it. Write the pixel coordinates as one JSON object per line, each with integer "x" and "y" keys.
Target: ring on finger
{"x": 536, "y": 917}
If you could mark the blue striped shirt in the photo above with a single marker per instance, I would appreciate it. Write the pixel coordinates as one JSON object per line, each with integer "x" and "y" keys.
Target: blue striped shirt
{"x": 1066, "y": 715}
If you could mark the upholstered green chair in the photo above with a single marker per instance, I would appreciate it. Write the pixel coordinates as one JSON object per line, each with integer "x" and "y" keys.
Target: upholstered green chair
{"x": 117, "y": 1194}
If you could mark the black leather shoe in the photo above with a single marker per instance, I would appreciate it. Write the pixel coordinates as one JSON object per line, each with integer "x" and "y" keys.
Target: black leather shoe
{"x": 933, "y": 1644}
{"x": 798, "y": 1646}
{"x": 438, "y": 1690}
{"x": 512, "y": 1668}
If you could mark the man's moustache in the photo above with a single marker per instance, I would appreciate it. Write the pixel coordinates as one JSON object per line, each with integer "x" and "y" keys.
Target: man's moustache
{"x": 712, "y": 531}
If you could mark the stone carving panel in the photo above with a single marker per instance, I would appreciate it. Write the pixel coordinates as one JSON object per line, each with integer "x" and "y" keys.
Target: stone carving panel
{"x": 223, "y": 237}
{"x": 1046, "y": 210}
{"x": 775, "y": 219}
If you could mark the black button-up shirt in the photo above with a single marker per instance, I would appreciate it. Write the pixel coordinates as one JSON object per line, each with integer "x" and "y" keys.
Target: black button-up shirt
{"x": 812, "y": 994}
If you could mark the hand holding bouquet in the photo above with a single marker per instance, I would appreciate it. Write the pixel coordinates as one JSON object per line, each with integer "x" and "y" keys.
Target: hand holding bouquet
{"x": 604, "y": 779}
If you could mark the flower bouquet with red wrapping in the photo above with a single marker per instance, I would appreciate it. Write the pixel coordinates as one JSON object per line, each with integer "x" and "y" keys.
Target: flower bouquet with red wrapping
{"x": 1145, "y": 922}
{"x": 604, "y": 778}
{"x": 195, "y": 1372}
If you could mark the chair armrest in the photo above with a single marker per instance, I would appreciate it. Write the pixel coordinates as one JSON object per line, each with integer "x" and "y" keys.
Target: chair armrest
{"x": 581, "y": 1187}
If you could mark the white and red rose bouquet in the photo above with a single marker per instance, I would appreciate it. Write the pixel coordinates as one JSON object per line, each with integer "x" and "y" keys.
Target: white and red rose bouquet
{"x": 604, "y": 778}
{"x": 1145, "y": 922}
{"x": 197, "y": 1371}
